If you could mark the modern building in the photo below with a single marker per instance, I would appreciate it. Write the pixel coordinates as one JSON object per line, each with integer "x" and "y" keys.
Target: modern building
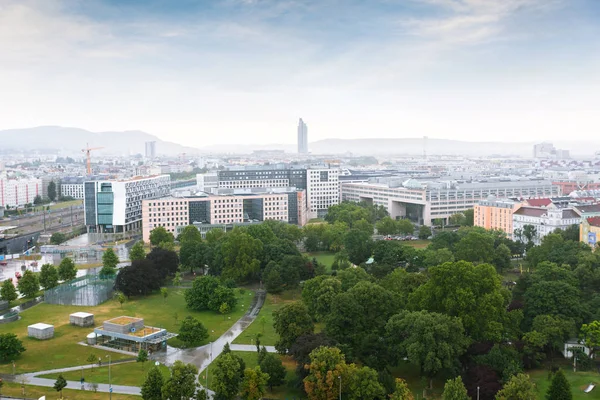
{"x": 207, "y": 182}
{"x": 150, "y": 149}
{"x": 423, "y": 202}
{"x": 322, "y": 189}
{"x": 568, "y": 187}
{"x": 225, "y": 207}
{"x": 302, "y": 137}
{"x": 548, "y": 151}
{"x": 495, "y": 213}
{"x": 115, "y": 206}
{"x": 544, "y": 220}
{"x": 72, "y": 187}
{"x": 18, "y": 192}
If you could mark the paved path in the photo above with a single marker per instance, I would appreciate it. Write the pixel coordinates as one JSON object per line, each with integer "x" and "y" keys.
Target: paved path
{"x": 250, "y": 347}
{"x": 201, "y": 357}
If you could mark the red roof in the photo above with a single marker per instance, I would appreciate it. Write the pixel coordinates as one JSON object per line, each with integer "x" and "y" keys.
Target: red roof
{"x": 539, "y": 202}
{"x": 594, "y": 221}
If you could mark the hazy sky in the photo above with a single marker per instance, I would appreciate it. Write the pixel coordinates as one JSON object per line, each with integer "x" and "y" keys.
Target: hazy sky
{"x": 243, "y": 71}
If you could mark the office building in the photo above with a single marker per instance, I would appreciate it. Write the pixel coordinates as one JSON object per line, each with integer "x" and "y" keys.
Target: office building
{"x": 71, "y": 187}
{"x": 495, "y": 213}
{"x": 115, "y": 206}
{"x": 226, "y": 207}
{"x": 544, "y": 220}
{"x": 425, "y": 201}
{"x": 547, "y": 150}
{"x": 150, "y": 149}
{"x": 302, "y": 137}
{"x": 18, "y": 192}
{"x": 207, "y": 182}
{"x": 322, "y": 189}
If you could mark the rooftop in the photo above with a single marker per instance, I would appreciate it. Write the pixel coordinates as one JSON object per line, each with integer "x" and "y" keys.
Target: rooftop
{"x": 594, "y": 221}
{"x": 531, "y": 211}
{"x": 123, "y": 320}
{"x": 539, "y": 202}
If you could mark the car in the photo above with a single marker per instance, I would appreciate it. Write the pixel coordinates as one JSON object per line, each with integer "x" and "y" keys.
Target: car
{"x": 3, "y": 263}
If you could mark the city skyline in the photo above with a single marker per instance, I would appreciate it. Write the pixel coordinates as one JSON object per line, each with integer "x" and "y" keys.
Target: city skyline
{"x": 515, "y": 70}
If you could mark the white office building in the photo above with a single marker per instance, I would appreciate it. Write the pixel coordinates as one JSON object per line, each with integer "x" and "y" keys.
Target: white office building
{"x": 150, "y": 148}
{"x": 115, "y": 206}
{"x": 72, "y": 187}
{"x": 322, "y": 189}
{"x": 425, "y": 201}
{"x": 302, "y": 137}
{"x": 18, "y": 192}
{"x": 207, "y": 182}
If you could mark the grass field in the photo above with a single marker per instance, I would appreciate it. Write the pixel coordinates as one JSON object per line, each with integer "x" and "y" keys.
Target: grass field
{"x": 417, "y": 244}
{"x": 66, "y": 204}
{"x": 285, "y": 391}
{"x": 578, "y": 380}
{"x": 129, "y": 374}
{"x": 324, "y": 257}
{"x": 14, "y": 390}
{"x": 272, "y": 303}
{"x": 63, "y": 350}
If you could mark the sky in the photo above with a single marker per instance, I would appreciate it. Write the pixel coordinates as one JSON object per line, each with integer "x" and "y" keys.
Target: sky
{"x": 243, "y": 71}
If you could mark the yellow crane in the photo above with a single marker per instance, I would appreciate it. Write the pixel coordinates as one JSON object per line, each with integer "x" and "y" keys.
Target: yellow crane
{"x": 87, "y": 150}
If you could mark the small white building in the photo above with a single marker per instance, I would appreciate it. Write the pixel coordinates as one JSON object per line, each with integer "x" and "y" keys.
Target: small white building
{"x": 40, "y": 331}
{"x": 81, "y": 319}
{"x": 544, "y": 220}
{"x": 574, "y": 343}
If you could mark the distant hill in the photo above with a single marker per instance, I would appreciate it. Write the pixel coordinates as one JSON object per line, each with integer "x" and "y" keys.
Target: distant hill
{"x": 69, "y": 140}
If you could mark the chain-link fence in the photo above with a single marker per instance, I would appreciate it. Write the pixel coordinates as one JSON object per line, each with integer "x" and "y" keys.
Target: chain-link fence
{"x": 88, "y": 290}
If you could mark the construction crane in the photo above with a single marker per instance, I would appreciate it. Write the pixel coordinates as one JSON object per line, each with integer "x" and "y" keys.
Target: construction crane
{"x": 89, "y": 160}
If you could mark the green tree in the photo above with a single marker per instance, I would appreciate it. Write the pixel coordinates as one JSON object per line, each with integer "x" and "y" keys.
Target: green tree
{"x": 48, "y": 276}
{"x": 351, "y": 277}
{"x": 182, "y": 382}
{"x": 405, "y": 227}
{"x": 152, "y": 386}
{"x": 253, "y": 384}
{"x": 224, "y": 309}
{"x": 438, "y": 257}
{"x": 160, "y": 235}
{"x": 241, "y": 255}
{"x": 454, "y": 389}
{"x": 431, "y": 341}
{"x": 457, "y": 219}
{"x": 226, "y": 376}
{"x": 121, "y": 298}
{"x": 560, "y": 388}
{"x": 60, "y": 384}
{"x": 29, "y": 284}
{"x": 555, "y": 329}
{"x": 142, "y": 357}
{"x": 165, "y": 293}
{"x": 92, "y": 359}
{"x": 519, "y": 387}
{"x": 57, "y": 238}
{"x": 475, "y": 247}
{"x": 386, "y": 226}
{"x": 401, "y": 392}
{"x": 590, "y": 334}
{"x": 502, "y": 257}
{"x": 530, "y": 233}
{"x": 364, "y": 384}
{"x": 10, "y": 347}
{"x": 177, "y": 279}
{"x": 52, "y": 191}
{"x": 190, "y": 234}
{"x": 272, "y": 365}
{"x": 359, "y": 245}
{"x": 67, "y": 271}
{"x": 192, "y": 332}
{"x": 424, "y": 232}
{"x": 290, "y": 322}
{"x": 137, "y": 251}
{"x": 473, "y": 293}
{"x": 556, "y": 298}
{"x": 109, "y": 262}
{"x": 8, "y": 292}
{"x": 469, "y": 217}
{"x": 326, "y": 365}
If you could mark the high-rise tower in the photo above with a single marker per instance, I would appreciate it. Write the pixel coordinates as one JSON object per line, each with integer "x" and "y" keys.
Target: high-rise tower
{"x": 302, "y": 137}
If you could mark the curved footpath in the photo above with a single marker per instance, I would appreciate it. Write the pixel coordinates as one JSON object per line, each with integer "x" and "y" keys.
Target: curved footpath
{"x": 201, "y": 356}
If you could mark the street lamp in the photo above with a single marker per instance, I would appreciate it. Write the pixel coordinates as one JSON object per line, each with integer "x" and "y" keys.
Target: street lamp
{"x": 209, "y": 362}
{"x": 477, "y": 392}
{"x": 340, "y": 379}
{"x": 109, "y": 382}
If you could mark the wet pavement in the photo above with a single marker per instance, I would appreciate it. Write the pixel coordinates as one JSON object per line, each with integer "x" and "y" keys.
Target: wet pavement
{"x": 201, "y": 357}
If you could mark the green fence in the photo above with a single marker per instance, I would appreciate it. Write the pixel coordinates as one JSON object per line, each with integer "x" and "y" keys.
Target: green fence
{"x": 88, "y": 290}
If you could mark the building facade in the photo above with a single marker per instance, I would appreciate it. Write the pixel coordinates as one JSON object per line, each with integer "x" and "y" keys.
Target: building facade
{"x": 115, "y": 206}
{"x": 495, "y": 214}
{"x": 302, "y": 137}
{"x": 423, "y": 202}
{"x": 18, "y": 192}
{"x": 226, "y": 207}
{"x": 150, "y": 148}
{"x": 72, "y": 187}
{"x": 544, "y": 220}
{"x": 322, "y": 190}
{"x": 589, "y": 231}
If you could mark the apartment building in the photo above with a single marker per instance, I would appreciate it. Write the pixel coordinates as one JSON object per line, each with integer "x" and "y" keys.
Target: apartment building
{"x": 322, "y": 190}
{"x": 495, "y": 213}
{"x": 544, "y": 220}
{"x": 424, "y": 201}
{"x": 18, "y": 192}
{"x": 225, "y": 207}
{"x": 115, "y": 206}
{"x": 589, "y": 231}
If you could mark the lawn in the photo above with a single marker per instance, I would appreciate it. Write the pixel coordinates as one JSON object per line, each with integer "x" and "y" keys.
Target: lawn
{"x": 14, "y": 390}
{"x": 66, "y": 204}
{"x": 63, "y": 350}
{"x": 273, "y": 302}
{"x": 128, "y": 374}
{"x": 285, "y": 391}
{"x": 324, "y": 257}
{"x": 578, "y": 380}
{"x": 417, "y": 244}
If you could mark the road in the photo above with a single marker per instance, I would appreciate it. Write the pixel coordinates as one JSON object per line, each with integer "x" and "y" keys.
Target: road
{"x": 201, "y": 356}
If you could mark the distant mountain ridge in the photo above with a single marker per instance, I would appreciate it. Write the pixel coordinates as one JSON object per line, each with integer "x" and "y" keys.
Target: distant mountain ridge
{"x": 74, "y": 139}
